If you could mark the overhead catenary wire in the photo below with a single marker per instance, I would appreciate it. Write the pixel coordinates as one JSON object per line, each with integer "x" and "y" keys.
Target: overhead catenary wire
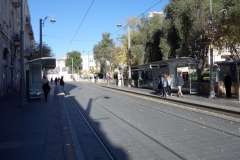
{"x": 81, "y": 24}
{"x": 67, "y": 39}
{"x": 136, "y": 18}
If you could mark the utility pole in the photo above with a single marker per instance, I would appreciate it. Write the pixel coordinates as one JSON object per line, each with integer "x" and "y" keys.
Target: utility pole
{"x": 212, "y": 84}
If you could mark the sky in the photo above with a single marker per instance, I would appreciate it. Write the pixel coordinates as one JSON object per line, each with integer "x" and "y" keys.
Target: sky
{"x": 82, "y": 22}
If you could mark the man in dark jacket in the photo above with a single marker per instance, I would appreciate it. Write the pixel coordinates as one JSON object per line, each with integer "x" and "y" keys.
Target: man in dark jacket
{"x": 180, "y": 83}
{"x": 228, "y": 84}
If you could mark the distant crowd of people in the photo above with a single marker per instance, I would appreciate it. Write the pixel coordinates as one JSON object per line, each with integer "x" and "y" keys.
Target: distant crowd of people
{"x": 165, "y": 83}
{"x": 46, "y": 87}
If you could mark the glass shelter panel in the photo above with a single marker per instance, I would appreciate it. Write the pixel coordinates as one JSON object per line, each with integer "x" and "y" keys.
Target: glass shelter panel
{"x": 190, "y": 76}
{"x": 193, "y": 78}
{"x": 35, "y": 76}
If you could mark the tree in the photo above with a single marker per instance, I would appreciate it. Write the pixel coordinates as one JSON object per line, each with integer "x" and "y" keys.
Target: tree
{"x": 187, "y": 29}
{"x": 103, "y": 52}
{"x": 145, "y": 38}
{"x": 77, "y": 60}
{"x": 46, "y": 51}
{"x": 229, "y": 32}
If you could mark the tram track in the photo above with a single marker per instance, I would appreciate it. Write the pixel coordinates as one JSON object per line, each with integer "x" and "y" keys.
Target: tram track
{"x": 176, "y": 105}
{"x": 219, "y": 110}
{"x": 160, "y": 111}
{"x": 180, "y": 156}
{"x": 110, "y": 155}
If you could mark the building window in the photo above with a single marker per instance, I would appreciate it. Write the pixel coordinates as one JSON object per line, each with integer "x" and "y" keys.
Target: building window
{"x": 64, "y": 69}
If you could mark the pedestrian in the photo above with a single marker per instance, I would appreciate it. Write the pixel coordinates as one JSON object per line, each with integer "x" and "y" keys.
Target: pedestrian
{"x": 45, "y": 87}
{"x": 169, "y": 83}
{"x": 62, "y": 83}
{"x": 228, "y": 84}
{"x": 52, "y": 80}
{"x": 160, "y": 86}
{"x": 164, "y": 85}
{"x": 180, "y": 83}
{"x": 56, "y": 80}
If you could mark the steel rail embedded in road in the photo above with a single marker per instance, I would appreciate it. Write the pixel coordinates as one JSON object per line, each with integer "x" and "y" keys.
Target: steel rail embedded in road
{"x": 225, "y": 111}
{"x": 142, "y": 132}
{"x": 174, "y": 115}
{"x": 95, "y": 133}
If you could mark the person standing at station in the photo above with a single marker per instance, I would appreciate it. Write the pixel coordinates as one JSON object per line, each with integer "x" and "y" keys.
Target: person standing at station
{"x": 160, "y": 86}
{"x": 56, "y": 80}
{"x": 180, "y": 83}
{"x": 169, "y": 83}
{"x": 228, "y": 84}
{"x": 164, "y": 84}
{"x": 45, "y": 87}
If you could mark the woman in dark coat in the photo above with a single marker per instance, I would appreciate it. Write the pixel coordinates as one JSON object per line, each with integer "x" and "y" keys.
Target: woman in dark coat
{"x": 56, "y": 80}
{"x": 45, "y": 87}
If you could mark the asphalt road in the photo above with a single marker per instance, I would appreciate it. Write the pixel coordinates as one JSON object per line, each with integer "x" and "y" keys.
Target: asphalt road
{"x": 134, "y": 127}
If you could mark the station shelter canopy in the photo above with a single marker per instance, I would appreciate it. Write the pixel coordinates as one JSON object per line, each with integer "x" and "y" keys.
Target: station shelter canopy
{"x": 47, "y": 62}
{"x": 176, "y": 62}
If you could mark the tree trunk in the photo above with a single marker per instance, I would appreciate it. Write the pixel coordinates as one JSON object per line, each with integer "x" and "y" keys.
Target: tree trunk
{"x": 237, "y": 79}
{"x": 235, "y": 59}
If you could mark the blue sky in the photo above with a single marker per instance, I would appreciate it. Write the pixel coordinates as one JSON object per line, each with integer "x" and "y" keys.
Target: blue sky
{"x": 103, "y": 16}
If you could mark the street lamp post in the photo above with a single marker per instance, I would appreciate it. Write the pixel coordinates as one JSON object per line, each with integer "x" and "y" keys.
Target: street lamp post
{"x": 129, "y": 55}
{"x": 212, "y": 94}
{"x": 41, "y": 25}
{"x": 23, "y": 99}
{"x": 72, "y": 67}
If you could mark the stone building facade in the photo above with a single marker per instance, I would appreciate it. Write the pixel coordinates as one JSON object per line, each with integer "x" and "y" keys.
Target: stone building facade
{"x": 10, "y": 59}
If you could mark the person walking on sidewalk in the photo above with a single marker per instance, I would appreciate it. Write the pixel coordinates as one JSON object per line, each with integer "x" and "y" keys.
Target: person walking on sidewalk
{"x": 45, "y": 87}
{"x": 180, "y": 83}
{"x": 56, "y": 80}
{"x": 228, "y": 84}
{"x": 62, "y": 83}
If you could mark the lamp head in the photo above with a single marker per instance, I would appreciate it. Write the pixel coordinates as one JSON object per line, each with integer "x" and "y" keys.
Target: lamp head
{"x": 52, "y": 20}
{"x": 224, "y": 11}
{"x": 119, "y": 25}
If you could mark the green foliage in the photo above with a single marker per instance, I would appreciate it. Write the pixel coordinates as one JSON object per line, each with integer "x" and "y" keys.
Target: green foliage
{"x": 145, "y": 41}
{"x": 46, "y": 51}
{"x": 104, "y": 51}
{"x": 187, "y": 30}
{"x": 73, "y": 58}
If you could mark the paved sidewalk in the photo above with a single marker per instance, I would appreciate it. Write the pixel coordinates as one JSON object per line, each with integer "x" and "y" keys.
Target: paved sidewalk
{"x": 222, "y": 103}
{"x": 38, "y": 131}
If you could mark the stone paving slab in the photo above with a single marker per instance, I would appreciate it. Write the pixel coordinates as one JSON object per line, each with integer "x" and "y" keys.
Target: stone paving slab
{"x": 35, "y": 131}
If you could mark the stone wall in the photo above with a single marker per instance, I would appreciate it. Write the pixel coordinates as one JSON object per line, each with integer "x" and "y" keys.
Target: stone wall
{"x": 219, "y": 88}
